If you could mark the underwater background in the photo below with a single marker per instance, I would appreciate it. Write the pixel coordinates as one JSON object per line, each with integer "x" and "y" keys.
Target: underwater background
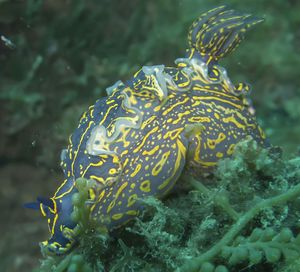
{"x": 58, "y": 57}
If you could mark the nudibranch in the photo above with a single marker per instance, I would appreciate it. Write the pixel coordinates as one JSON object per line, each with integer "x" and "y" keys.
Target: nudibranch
{"x": 137, "y": 141}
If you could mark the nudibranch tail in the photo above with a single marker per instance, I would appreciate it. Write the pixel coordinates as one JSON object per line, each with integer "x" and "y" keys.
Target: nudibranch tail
{"x": 219, "y": 31}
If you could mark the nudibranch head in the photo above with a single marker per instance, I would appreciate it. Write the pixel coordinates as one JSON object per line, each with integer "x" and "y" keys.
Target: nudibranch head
{"x": 60, "y": 223}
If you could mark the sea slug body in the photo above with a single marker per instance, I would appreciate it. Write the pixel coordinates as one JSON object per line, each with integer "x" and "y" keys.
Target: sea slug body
{"x": 137, "y": 141}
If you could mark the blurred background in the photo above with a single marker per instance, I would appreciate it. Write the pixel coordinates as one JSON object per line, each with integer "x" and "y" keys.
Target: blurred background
{"x": 57, "y": 57}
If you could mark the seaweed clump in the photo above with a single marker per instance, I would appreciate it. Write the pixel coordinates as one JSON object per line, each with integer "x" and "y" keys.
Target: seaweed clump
{"x": 243, "y": 217}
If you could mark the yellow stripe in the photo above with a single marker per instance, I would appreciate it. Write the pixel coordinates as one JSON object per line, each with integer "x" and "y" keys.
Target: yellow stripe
{"x": 181, "y": 147}
{"x": 66, "y": 192}
{"x": 98, "y": 200}
{"x": 117, "y": 216}
{"x": 230, "y": 150}
{"x": 111, "y": 205}
{"x": 144, "y": 139}
{"x": 54, "y": 206}
{"x": 179, "y": 118}
{"x": 54, "y": 222}
{"x": 199, "y": 119}
{"x": 231, "y": 119}
{"x": 148, "y": 121}
{"x": 108, "y": 102}
{"x": 42, "y": 209}
{"x": 173, "y": 134}
{"x": 158, "y": 167}
{"x": 59, "y": 188}
{"x": 198, "y": 149}
{"x": 175, "y": 105}
{"x": 99, "y": 179}
{"x": 185, "y": 83}
{"x": 131, "y": 200}
{"x": 244, "y": 119}
{"x": 97, "y": 164}
{"x": 92, "y": 113}
{"x": 181, "y": 151}
{"x": 137, "y": 169}
{"x": 92, "y": 194}
{"x": 132, "y": 212}
{"x": 206, "y": 163}
{"x": 219, "y": 99}
{"x": 151, "y": 152}
{"x": 107, "y": 113}
{"x": 215, "y": 92}
{"x": 122, "y": 187}
{"x": 79, "y": 145}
